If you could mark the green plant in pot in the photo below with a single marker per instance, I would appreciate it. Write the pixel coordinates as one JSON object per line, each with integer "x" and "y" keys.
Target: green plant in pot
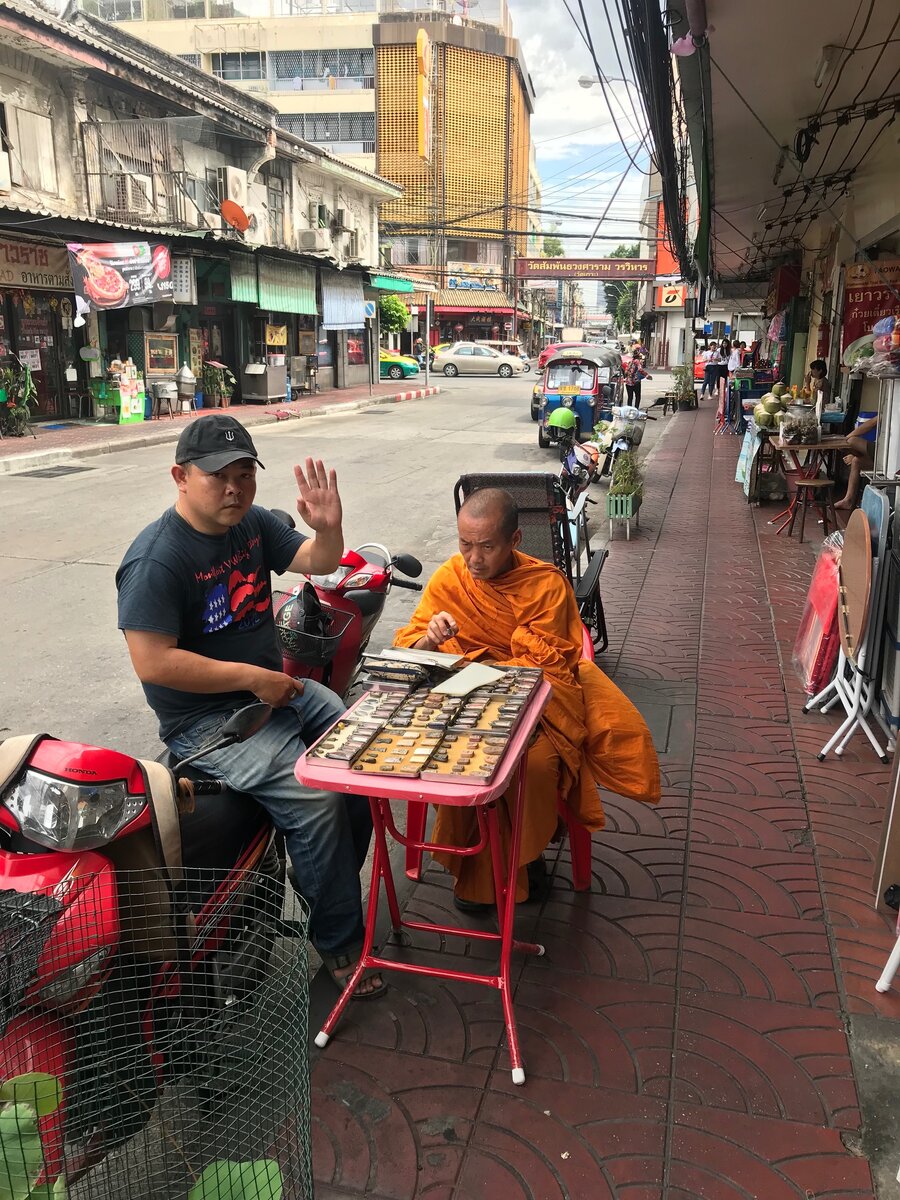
{"x": 626, "y": 490}
{"x": 19, "y": 396}
{"x": 683, "y": 387}
{"x": 218, "y": 384}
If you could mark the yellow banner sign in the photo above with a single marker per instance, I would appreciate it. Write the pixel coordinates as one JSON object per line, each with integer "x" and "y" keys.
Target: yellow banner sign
{"x": 31, "y": 265}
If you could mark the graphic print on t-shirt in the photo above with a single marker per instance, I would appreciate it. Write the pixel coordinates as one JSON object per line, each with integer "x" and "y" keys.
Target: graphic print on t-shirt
{"x": 242, "y": 601}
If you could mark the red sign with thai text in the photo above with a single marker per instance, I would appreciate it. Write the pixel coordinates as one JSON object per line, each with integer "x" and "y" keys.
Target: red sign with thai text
{"x": 585, "y": 268}
{"x": 870, "y": 292}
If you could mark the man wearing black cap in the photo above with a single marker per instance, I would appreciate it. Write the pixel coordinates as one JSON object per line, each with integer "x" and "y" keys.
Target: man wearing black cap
{"x": 195, "y": 604}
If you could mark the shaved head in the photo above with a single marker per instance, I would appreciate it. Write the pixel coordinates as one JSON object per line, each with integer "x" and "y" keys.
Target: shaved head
{"x": 493, "y": 504}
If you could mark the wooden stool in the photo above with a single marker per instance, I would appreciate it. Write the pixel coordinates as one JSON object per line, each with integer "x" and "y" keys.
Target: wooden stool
{"x": 820, "y": 492}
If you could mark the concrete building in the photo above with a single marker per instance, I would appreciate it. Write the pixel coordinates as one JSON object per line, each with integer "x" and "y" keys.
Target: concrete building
{"x": 106, "y": 140}
{"x": 352, "y": 81}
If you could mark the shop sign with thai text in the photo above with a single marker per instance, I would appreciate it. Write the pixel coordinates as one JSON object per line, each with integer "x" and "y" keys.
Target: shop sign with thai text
{"x": 32, "y": 266}
{"x": 585, "y": 268}
{"x": 871, "y": 291}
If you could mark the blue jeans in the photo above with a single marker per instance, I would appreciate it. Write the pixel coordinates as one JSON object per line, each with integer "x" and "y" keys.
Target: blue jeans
{"x": 327, "y": 833}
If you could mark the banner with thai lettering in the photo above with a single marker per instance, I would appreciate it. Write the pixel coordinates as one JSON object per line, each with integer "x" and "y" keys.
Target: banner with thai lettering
{"x": 111, "y": 275}
{"x": 585, "y": 268}
{"x": 34, "y": 267}
{"x": 871, "y": 292}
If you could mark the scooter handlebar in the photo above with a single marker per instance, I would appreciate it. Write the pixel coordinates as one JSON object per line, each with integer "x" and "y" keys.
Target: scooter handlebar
{"x": 406, "y": 583}
{"x": 209, "y": 787}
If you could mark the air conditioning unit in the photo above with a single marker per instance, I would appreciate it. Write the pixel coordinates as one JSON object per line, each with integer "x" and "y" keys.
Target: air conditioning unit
{"x": 234, "y": 185}
{"x": 314, "y": 240}
{"x": 213, "y": 221}
{"x": 340, "y": 219}
{"x": 256, "y": 234}
{"x": 131, "y": 193}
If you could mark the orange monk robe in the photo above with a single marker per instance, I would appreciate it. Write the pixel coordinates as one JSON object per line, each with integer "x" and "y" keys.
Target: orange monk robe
{"x": 590, "y": 732}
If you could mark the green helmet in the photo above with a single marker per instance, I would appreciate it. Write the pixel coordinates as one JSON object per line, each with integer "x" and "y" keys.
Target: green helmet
{"x": 562, "y": 418}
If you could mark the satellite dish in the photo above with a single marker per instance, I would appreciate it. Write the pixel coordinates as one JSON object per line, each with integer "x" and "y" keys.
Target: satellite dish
{"x": 234, "y": 215}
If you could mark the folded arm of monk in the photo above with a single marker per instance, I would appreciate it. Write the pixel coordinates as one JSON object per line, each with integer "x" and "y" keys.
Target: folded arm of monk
{"x": 492, "y": 602}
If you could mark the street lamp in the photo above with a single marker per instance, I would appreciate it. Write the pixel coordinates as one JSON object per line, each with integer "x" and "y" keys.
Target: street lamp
{"x": 589, "y": 81}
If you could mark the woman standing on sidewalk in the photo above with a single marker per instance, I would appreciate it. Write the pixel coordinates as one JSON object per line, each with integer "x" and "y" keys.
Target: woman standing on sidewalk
{"x": 634, "y": 373}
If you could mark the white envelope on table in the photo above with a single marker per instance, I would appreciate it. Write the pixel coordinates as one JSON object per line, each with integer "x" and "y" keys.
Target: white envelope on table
{"x": 474, "y": 676}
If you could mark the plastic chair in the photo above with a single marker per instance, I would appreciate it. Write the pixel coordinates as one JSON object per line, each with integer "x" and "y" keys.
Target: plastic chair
{"x": 579, "y": 836}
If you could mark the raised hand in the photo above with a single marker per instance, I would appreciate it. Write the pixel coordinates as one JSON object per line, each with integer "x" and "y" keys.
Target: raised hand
{"x": 319, "y": 502}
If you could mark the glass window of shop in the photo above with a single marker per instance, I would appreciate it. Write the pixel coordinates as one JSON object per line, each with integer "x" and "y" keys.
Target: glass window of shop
{"x": 325, "y": 348}
{"x": 238, "y": 66}
{"x": 357, "y": 347}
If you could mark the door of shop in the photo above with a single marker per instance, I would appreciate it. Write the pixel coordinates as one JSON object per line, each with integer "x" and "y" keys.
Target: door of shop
{"x": 43, "y": 339}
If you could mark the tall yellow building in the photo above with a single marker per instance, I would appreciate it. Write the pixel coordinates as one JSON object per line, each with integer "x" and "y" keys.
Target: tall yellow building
{"x": 463, "y": 216}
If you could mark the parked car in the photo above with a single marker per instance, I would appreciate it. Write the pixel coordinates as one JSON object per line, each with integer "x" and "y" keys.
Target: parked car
{"x": 396, "y": 366}
{"x": 510, "y": 346}
{"x": 471, "y": 358}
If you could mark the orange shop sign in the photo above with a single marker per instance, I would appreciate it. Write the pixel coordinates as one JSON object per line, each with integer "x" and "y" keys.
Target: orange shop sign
{"x": 671, "y": 296}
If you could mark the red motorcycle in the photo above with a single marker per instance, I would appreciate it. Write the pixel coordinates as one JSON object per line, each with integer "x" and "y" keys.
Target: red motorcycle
{"x": 324, "y": 625}
{"x": 105, "y": 972}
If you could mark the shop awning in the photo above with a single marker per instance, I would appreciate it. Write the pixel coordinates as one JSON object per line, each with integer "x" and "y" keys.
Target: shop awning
{"x": 343, "y": 302}
{"x": 287, "y": 286}
{"x": 463, "y": 300}
{"x": 391, "y": 283}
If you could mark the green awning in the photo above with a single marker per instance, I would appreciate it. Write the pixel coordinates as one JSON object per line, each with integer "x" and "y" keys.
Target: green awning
{"x": 387, "y": 283}
{"x": 243, "y": 278}
{"x": 287, "y": 286}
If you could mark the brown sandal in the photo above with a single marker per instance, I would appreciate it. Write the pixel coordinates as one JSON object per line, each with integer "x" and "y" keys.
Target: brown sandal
{"x": 335, "y": 963}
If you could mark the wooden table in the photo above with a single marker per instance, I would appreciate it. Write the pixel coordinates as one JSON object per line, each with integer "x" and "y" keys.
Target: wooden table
{"x": 818, "y": 455}
{"x": 482, "y": 797}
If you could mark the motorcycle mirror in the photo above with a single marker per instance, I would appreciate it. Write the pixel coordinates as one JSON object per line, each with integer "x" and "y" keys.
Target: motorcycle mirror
{"x": 283, "y": 516}
{"x": 407, "y": 565}
{"x": 245, "y": 722}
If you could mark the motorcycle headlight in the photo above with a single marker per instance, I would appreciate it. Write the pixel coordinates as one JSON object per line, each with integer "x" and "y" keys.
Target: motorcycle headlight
{"x": 71, "y": 816}
{"x": 569, "y": 402}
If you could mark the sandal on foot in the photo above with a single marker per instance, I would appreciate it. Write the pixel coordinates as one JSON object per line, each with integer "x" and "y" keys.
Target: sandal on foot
{"x": 339, "y": 968}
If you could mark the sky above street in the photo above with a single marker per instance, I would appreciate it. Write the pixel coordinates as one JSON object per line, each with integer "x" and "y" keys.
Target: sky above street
{"x": 578, "y": 150}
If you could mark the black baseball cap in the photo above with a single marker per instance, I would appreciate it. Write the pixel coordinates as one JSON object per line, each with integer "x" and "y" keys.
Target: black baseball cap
{"x": 212, "y": 442}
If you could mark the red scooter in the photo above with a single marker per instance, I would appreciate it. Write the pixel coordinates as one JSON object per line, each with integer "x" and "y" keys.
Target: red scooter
{"x": 104, "y": 975}
{"x": 324, "y": 625}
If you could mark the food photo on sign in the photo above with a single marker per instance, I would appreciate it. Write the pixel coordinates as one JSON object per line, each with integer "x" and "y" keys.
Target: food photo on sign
{"x": 110, "y": 275}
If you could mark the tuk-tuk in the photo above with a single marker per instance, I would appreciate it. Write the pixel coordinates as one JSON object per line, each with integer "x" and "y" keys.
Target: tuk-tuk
{"x": 581, "y": 378}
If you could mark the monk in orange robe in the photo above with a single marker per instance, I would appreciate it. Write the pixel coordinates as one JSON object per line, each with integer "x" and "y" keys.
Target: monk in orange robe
{"x": 491, "y": 602}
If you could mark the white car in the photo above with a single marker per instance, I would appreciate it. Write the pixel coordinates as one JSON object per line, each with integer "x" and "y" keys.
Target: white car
{"x": 470, "y": 358}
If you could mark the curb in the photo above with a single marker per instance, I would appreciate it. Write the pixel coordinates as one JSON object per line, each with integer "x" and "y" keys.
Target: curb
{"x": 18, "y": 464}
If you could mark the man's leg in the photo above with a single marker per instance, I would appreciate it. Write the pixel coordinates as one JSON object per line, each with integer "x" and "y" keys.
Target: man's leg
{"x": 326, "y": 834}
{"x": 860, "y": 456}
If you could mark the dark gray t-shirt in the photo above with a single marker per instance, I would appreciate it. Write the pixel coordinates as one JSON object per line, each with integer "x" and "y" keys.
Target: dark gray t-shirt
{"x": 210, "y": 591}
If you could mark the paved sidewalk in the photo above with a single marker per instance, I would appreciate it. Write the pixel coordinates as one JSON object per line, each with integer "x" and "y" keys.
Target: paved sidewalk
{"x": 686, "y": 1034}
{"x": 59, "y": 442}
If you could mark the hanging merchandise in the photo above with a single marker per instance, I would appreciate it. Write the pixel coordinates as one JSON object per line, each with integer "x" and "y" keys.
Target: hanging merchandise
{"x": 778, "y": 327}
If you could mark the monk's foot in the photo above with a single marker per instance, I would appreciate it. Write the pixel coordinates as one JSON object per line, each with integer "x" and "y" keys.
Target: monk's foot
{"x": 538, "y": 880}
{"x": 471, "y": 906}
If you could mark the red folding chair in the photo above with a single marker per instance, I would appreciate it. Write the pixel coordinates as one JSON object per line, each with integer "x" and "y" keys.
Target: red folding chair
{"x": 579, "y": 837}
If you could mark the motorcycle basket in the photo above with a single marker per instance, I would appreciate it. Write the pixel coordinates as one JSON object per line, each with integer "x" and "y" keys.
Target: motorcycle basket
{"x": 309, "y": 632}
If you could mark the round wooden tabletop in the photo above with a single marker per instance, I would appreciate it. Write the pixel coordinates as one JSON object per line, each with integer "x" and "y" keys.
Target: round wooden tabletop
{"x": 855, "y": 575}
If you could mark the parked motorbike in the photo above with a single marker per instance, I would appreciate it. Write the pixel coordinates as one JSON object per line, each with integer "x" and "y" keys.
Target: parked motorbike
{"x": 579, "y": 469}
{"x": 85, "y": 999}
{"x": 324, "y": 625}
{"x": 625, "y": 432}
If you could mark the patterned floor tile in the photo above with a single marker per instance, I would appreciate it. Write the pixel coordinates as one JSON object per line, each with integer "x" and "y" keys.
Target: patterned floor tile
{"x": 767, "y": 883}
{"x": 752, "y": 822}
{"x": 743, "y": 736}
{"x": 770, "y": 958}
{"x": 720, "y": 1155}
{"x": 602, "y": 937}
{"x": 741, "y": 701}
{"x": 862, "y": 955}
{"x": 833, "y": 782}
{"x": 846, "y": 832}
{"x": 745, "y": 774}
{"x": 552, "y": 1141}
{"x": 765, "y": 1060}
{"x": 382, "y": 1125}
{"x": 648, "y": 820}
{"x": 650, "y": 869}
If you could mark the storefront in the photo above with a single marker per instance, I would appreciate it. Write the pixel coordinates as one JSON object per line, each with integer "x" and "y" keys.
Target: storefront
{"x": 37, "y": 320}
{"x": 344, "y": 328}
{"x": 464, "y": 315}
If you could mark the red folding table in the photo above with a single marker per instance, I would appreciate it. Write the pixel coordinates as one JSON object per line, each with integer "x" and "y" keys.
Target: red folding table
{"x": 381, "y": 790}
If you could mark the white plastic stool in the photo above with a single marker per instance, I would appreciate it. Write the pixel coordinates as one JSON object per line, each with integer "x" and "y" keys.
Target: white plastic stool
{"x": 891, "y": 966}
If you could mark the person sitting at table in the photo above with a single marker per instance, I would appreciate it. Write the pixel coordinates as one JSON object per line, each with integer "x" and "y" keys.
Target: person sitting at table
{"x": 490, "y": 602}
{"x": 861, "y": 457}
{"x": 817, "y": 381}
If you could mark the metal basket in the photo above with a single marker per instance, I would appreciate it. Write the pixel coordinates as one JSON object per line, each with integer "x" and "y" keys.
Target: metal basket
{"x": 181, "y": 1060}
{"x": 313, "y": 650}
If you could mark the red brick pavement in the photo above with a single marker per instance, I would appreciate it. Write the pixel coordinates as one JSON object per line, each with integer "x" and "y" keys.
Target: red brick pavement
{"x": 76, "y": 438}
{"x": 685, "y": 1034}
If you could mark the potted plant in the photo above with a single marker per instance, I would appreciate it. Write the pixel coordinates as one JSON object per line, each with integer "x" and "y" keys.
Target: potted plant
{"x": 18, "y": 395}
{"x": 218, "y": 384}
{"x": 626, "y": 489}
{"x": 682, "y": 392}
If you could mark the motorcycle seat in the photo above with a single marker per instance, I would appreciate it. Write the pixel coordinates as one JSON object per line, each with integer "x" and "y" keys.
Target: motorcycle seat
{"x": 220, "y": 829}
